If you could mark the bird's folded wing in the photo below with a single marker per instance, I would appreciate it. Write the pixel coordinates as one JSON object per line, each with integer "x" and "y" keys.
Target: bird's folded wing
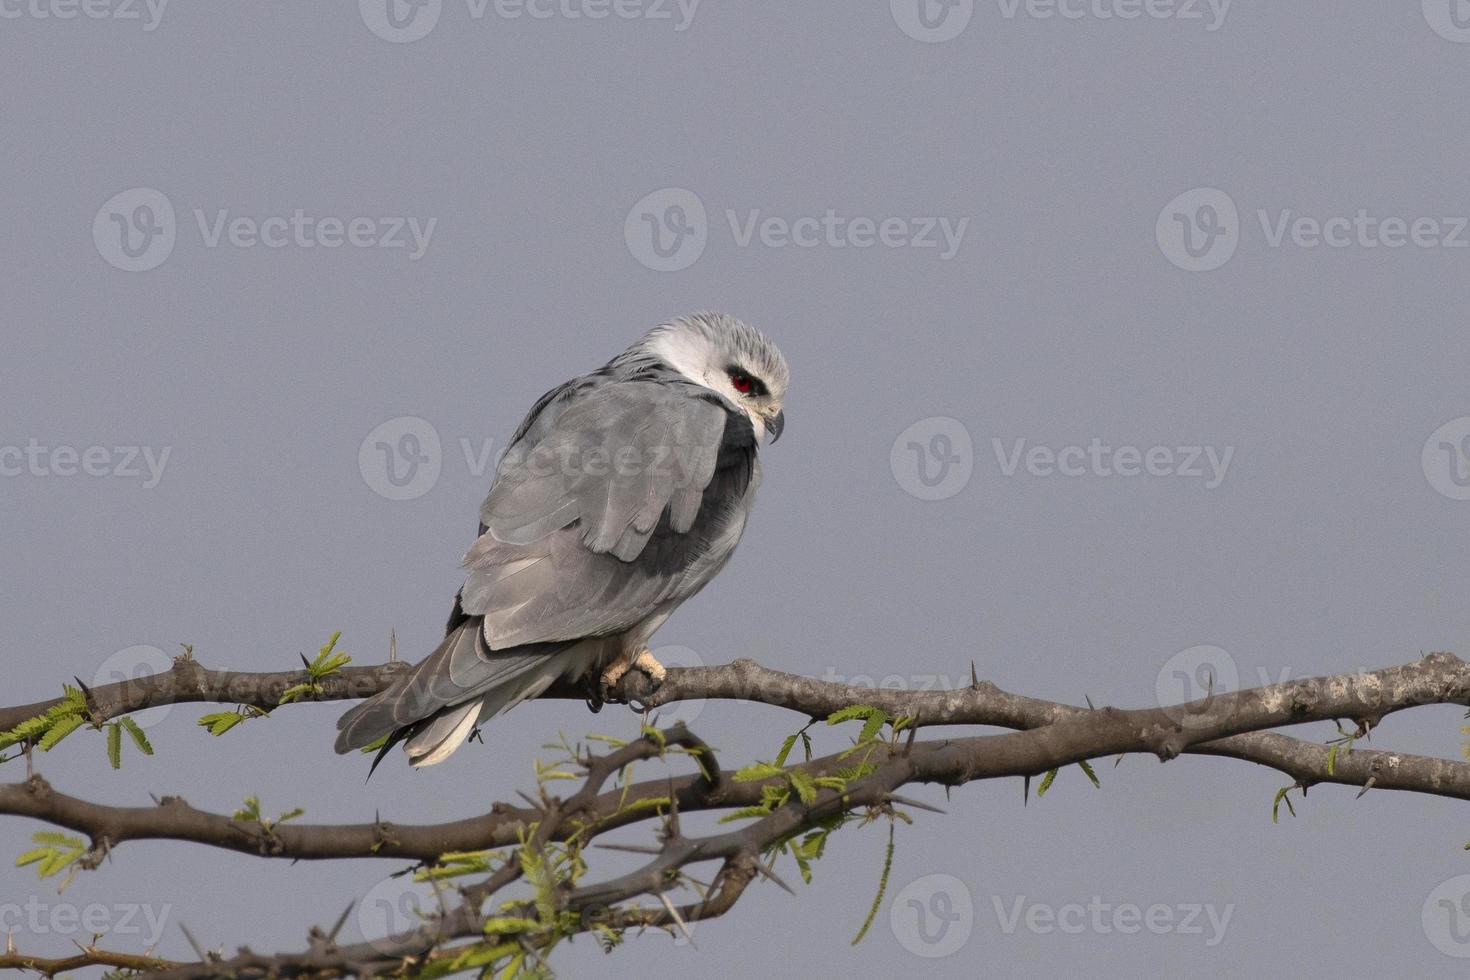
{"x": 588, "y": 526}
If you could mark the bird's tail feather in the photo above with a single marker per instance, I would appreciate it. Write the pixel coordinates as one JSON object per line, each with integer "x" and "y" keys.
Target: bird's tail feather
{"x": 437, "y": 704}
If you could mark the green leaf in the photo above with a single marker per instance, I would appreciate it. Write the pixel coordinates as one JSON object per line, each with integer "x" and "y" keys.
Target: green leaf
{"x": 852, "y": 712}
{"x": 513, "y": 968}
{"x": 297, "y": 691}
{"x": 328, "y": 659}
{"x": 31, "y": 857}
{"x": 481, "y": 955}
{"x": 802, "y": 864}
{"x": 220, "y": 722}
{"x": 1046, "y": 781}
{"x": 882, "y": 887}
{"x": 805, "y": 786}
{"x": 1276, "y": 803}
{"x": 60, "y": 730}
{"x": 509, "y": 924}
{"x": 114, "y": 745}
{"x": 786, "y": 748}
{"x": 872, "y": 726}
{"x": 757, "y": 772}
{"x": 136, "y": 733}
{"x": 1087, "y": 768}
{"x": 58, "y": 851}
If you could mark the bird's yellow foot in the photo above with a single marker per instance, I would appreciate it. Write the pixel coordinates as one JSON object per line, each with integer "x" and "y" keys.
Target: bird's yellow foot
{"x": 622, "y": 663}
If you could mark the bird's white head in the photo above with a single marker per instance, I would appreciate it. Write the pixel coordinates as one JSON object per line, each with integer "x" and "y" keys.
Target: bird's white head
{"x": 728, "y": 357}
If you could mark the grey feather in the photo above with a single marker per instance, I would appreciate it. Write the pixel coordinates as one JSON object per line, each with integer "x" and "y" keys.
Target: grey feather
{"x": 622, "y": 494}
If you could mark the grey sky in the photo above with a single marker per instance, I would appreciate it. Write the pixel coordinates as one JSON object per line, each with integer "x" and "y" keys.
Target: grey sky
{"x": 1054, "y": 162}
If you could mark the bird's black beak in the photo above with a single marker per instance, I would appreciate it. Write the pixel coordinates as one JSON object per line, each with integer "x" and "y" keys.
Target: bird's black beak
{"x": 775, "y": 425}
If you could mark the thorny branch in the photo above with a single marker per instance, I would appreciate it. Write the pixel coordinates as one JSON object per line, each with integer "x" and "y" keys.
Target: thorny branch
{"x": 1043, "y": 736}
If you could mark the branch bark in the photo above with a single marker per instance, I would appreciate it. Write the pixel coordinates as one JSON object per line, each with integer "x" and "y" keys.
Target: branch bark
{"x": 1042, "y": 735}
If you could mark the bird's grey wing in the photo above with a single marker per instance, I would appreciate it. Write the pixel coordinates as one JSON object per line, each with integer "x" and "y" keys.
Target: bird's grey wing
{"x": 619, "y": 505}
{"x": 459, "y": 671}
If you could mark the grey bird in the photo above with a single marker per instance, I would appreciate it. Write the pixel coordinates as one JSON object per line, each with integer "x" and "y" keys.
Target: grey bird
{"x": 622, "y": 494}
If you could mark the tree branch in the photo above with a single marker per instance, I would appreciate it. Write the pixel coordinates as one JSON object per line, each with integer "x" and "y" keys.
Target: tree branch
{"x": 782, "y": 802}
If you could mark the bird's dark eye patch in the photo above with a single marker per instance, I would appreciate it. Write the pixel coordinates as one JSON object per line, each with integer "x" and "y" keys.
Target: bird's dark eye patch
{"x": 745, "y": 383}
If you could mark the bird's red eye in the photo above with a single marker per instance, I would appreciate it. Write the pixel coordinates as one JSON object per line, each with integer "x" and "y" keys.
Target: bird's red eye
{"x": 742, "y": 382}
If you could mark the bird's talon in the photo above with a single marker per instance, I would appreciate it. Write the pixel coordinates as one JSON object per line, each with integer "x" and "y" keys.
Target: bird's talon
{"x": 655, "y": 670}
{"x": 613, "y": 675}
